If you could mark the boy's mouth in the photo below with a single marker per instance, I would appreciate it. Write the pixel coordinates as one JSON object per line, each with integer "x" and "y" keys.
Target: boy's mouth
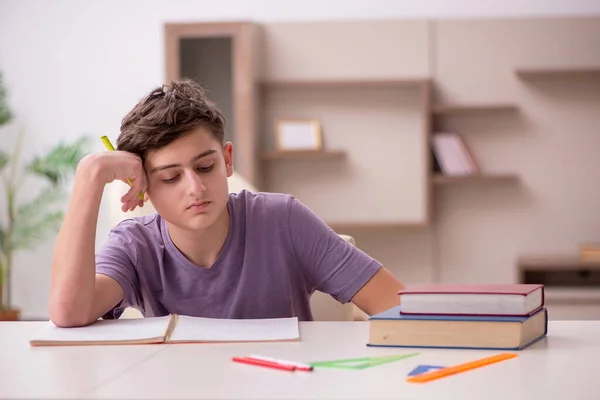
{"x": 198, "y": 205}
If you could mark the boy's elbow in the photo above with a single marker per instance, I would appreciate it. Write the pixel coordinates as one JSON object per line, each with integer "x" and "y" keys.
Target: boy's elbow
{"x": 63, "y": 316}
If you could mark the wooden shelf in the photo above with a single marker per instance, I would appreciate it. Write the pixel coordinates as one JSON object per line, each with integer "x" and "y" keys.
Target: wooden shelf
{"x": 295, "y": 155}
{"x": 346, "y": 226}
{"x": 382, "y": 83}
{"x": 439, "y": 179}
{"x": 558, "y": 73}
{"x": 556, "y": 262}
{"x": 474, "y": 109}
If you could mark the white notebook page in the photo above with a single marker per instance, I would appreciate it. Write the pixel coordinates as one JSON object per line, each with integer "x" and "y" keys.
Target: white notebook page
{"x": 107, "y": 330}
{"x": 235, "y": 330}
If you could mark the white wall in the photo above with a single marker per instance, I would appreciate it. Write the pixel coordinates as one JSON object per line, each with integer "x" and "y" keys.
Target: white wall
{"x": 76, "y": 67}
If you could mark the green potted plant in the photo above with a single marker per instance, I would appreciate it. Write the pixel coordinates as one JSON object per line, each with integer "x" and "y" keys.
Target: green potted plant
{"x": 24, "y": 224}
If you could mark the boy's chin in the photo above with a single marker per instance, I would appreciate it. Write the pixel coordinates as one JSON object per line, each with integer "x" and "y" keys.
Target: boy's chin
{"x": 198, "y": 222}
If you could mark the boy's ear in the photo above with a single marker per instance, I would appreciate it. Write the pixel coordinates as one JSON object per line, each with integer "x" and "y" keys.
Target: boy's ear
{"x": 228, "y": 156}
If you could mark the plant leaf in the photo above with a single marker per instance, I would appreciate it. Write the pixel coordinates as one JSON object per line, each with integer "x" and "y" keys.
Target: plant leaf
{"x": 35, "y": 219}
{"x": 59, "y": 162}
{"x": 5, "y": 112}
{"x": 4, "y": 160}
{"x": 28, "y": 234}
{"x": 39, "y": 205}
{"x": 2, "y": 244}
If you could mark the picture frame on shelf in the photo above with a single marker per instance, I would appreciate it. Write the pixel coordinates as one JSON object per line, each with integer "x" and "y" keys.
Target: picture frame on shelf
{"x": 293, "y": 135}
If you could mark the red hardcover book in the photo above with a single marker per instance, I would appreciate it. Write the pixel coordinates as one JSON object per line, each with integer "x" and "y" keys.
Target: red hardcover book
{"x": 472, "y": 299}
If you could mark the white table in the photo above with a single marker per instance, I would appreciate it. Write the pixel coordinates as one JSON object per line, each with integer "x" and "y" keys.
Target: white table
{"x": 562, "y": 366}
{"x": 67, "y": 372}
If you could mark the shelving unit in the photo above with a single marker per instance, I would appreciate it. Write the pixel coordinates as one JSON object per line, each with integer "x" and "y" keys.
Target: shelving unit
{"x": 449, "y": 110}
{"x": 380, "y": 106}
{"x": 472, "y": 109}
{"x": 558, "y": 73}
{"x": 345, "y": 226}
{"x": 373, "y": 113}
{"x": 304, "y": 155}
{"x": 304, "y": 70}
{"x": 439, "y": 179}
{"x": 345, "y": 83}
{"x": 440, "y": 111}
{"x": 381, "y": 125}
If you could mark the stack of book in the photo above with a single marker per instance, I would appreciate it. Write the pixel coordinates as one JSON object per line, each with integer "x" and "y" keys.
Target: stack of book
{"x": 496, "y": 316}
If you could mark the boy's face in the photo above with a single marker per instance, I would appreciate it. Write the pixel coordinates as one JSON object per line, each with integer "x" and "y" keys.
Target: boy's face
{"x": 187, "y": 180}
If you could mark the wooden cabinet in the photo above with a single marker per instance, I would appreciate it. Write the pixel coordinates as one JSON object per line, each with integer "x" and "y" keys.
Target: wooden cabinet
{"x": 379, "y": 89}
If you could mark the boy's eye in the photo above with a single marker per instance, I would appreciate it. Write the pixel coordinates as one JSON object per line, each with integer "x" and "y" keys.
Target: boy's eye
{"x": 206, "y": 168}
{"x": 170, "y": 180}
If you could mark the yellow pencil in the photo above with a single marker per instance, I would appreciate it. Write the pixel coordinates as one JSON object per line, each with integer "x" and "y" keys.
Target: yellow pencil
{"x": 110, "y": 147}
{"x": 440, "y": 373}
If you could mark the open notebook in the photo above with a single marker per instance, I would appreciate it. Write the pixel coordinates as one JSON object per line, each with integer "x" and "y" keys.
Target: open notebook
{"x": 170, "y": 329}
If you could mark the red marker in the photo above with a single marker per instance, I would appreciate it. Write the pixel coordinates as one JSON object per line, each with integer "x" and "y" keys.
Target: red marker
{"x": 264, "y": 363}
{"x": 299, "y": 366}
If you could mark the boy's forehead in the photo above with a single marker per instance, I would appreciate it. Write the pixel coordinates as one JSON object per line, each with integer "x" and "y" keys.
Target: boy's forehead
{"x": 200, "y": 136}
{"x": 183, "y": 149}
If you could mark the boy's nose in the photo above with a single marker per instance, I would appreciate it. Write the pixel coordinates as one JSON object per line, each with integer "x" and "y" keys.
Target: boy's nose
{"x": 195, "y": 185}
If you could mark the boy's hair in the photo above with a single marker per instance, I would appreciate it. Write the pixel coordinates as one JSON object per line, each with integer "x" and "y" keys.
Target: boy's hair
{"x": 166, "y": 114}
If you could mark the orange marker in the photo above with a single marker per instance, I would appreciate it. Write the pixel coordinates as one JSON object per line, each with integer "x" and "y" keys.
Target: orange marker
{"x": 456, "y": 369}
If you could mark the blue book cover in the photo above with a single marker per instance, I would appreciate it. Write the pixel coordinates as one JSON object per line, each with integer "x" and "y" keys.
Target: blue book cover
{"x": 394, "y": 313}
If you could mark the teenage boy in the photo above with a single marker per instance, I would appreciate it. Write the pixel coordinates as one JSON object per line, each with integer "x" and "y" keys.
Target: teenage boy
{"x": 205, "y": 252}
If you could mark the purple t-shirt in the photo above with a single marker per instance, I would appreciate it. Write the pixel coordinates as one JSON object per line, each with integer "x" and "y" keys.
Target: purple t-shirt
{"x": 276, "y": 254}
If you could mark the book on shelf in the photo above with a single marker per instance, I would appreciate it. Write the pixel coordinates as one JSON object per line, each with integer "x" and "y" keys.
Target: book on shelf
{"x": 170, "y": 329}
{"x": 392, "y": 328}
{"x": 473, "y": 299}
{"x": 452, "y": 154}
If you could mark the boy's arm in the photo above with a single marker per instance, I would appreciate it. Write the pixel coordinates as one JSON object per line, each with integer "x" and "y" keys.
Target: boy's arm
{"x": 380, "y": 293}
{"x": 77, "y": 295}
{"x": 334, "y": 266}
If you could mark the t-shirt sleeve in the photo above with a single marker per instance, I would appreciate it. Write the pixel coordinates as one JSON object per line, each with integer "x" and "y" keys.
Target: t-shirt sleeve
{"x": 117, "y": 259}
{"x": 329, "y": 263}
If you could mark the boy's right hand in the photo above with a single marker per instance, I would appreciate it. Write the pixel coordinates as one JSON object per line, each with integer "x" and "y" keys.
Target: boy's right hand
{"x": 106, "y": 167}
